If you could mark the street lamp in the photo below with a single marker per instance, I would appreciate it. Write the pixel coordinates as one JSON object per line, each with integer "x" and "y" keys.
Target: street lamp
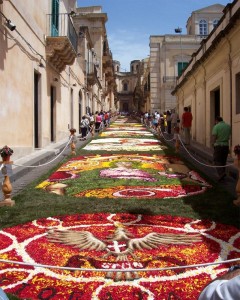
{"x": 179, "y": 30}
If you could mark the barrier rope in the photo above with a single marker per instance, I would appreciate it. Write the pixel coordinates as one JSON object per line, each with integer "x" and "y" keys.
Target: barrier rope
{"x": 162, "y": 134}
{"x": 210, "y": 166}
{"x": 201, "y": 163}
{"x": 118, "y": 270}
{"x": 41, "y": 165}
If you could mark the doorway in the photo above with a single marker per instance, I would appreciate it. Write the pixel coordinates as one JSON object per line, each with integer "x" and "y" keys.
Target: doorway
{"x": 215, "y": 97}
{"x": 71, "y": 109}
{"x": 79, "y": 110}
{"x": 53, "y": 114}
{"x": 36, "y": 109}
{"x": 125, "y": 107}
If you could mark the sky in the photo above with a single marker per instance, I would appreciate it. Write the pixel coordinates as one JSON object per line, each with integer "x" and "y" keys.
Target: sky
{"x": 131, "y": 23}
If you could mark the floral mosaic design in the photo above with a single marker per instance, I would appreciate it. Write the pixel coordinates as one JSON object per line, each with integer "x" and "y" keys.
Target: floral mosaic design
{"x": 94, "y": 249}
{"x": 127, "y": 133}
{"x": 163, "y": 177}
{"x": 125, "y": 144}
{"x": 125, "y": 128}
{"x": 123, "y": 123}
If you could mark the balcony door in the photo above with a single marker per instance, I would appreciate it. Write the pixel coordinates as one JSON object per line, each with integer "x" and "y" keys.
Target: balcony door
{"x": 55, "y": 18}
{"x": 37, "y": 78}
{"x": 53, "y": 114}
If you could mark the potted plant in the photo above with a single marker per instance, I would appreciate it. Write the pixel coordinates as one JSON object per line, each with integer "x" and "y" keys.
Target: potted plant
{"x": 236, "y": 151}
{"x": 5, "y": 153}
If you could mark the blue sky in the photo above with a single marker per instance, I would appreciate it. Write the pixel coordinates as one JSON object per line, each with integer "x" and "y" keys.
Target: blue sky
{"x": 131, "y": 23}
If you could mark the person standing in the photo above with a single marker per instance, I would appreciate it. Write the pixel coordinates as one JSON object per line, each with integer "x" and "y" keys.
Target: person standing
{"x": 224, "y": 287}
{"x": 174, "y": 120}
{"x": 98, "y": 121}
{"x": 187, "y": 124}
{"x": 165, "y": 121}
{"x": 168, "y": 118}
{"x": 92, "y": 124}
{"x": 221, "y": 133}
{"x": 84, "y": 127}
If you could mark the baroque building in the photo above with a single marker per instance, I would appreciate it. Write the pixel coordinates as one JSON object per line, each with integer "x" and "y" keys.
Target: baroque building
{"x": 210, "y": 85}
{"x": 55, "y": 66}
{"x": 96, "y": 59}
{"x": 171, "y": 53}
{"x": 126, "y": 84}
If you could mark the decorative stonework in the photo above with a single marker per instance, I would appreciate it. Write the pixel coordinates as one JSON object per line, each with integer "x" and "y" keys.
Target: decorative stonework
{"x": 60, "y": 52}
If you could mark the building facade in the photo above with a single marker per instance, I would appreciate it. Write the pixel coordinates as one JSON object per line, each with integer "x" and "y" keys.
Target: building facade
{"x": 126, "y": 84}
{"x": 210, "y": 85}
{"x": 96, "y": 59}
{"x": 171, "y": 53}
{"x": 49, "y": 73}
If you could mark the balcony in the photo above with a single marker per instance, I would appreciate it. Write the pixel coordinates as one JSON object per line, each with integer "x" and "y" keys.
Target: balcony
{"x": 61, "y": 41}
{"x": 92, "y": 76}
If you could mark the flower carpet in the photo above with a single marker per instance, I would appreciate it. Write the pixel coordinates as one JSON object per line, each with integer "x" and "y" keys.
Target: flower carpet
{"x": 125, "y": 176}
{"x": 125, "y": 133}
{"x": 125, "y": 144}
{"x": 118, "y": 256}
{"x": 93, "y": 250}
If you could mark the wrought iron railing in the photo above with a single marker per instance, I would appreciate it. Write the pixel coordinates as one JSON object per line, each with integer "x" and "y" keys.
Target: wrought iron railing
{"x": 61, "y": 25}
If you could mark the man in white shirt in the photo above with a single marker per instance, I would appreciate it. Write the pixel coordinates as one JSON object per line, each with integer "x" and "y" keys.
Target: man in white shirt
{"x": 226, "y": 287}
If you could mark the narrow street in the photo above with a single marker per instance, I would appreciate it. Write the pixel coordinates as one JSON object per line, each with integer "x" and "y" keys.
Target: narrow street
{"x": 127, "y": 217}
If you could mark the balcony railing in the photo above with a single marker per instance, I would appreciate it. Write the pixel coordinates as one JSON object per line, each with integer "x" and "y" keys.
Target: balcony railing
{"x": 61, "y": 41}
{"x": 61, "y": 26}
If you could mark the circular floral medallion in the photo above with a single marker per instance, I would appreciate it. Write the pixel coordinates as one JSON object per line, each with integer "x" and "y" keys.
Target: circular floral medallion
{"x": 114, "y": 256}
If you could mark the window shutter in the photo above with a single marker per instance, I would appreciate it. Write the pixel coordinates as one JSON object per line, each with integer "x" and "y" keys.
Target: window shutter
{"x": 55, "y": 17}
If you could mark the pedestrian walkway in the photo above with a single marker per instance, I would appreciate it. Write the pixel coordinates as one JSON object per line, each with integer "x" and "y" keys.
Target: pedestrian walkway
{"x": 202, "y": 158}
{"x": 36, "y": 164}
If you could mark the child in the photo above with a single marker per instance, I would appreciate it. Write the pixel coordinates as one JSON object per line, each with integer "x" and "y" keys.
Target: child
{"x": 73, "y": 139}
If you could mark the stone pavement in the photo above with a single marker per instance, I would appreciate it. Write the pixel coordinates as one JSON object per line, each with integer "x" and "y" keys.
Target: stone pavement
{"x": 36, "y": 164}
{"x": 47, "y": 158}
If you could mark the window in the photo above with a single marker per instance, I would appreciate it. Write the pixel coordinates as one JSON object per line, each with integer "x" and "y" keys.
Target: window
{"x": 203, "y": 27}
{"x": 125, "y": 86}
{"x": 181, "y": 67}
{"x": 215, "y": 23}
{"x": 237, "y": 93}
{"x": 55, "y": 17}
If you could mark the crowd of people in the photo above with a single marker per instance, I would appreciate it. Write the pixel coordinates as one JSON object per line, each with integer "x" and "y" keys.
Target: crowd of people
{"x": 169, "y": 122}
{"x": 94, "y": 123}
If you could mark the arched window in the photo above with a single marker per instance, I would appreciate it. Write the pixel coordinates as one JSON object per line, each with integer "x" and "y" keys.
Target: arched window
{"x": 215, "y": 22}
{"x": 203, "y": 27}
{"x": 117, "y": 68}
